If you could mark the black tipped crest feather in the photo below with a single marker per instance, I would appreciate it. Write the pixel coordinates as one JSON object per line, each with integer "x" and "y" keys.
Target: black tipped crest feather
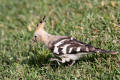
{"x": 43, "y": 19}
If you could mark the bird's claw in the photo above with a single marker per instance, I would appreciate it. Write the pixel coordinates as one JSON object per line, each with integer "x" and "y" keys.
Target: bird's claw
{"x": 72, "y": 63}
{"x": 55, "y": 59}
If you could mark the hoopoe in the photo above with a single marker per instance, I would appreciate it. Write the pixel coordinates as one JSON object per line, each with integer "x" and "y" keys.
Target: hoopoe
{"x": 66, "y": 48}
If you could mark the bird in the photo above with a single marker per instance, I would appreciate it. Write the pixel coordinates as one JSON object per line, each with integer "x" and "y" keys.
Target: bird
{"x": 65, "y": 48}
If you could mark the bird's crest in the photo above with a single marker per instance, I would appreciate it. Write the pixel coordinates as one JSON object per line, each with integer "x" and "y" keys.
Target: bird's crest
{"x": 41, "y": 24}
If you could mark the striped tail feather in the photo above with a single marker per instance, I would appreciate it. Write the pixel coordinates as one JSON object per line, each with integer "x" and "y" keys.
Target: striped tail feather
{"x": 98, "y": 50}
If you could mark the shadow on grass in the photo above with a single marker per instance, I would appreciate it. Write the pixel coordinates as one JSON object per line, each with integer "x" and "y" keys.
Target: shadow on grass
{"x": 42, "y": 60}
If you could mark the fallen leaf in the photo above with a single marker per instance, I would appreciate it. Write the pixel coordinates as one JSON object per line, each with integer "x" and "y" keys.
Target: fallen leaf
{"x": 113, "y": 3}
{"x": 53, "y": 23}
{"x": 1, "y": 25}
{"x": 29, "y": 28}
{"x": 102, "y": 3}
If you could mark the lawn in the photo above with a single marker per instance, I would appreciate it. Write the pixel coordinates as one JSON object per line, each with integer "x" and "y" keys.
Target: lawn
{"x": 95, "y": 22}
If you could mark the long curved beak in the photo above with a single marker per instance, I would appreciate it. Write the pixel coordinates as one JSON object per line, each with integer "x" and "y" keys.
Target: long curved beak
{"x": 33, "y": 42}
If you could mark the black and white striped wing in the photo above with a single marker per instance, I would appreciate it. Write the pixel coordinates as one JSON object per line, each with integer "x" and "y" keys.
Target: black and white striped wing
{"x": 70, "y": 45}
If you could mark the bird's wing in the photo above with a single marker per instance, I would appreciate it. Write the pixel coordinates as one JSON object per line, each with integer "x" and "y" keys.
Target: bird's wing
{"x": 70, "y": 45}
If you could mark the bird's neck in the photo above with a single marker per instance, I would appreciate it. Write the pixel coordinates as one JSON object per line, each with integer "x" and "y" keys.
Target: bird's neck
{"x": 46, "y": 37}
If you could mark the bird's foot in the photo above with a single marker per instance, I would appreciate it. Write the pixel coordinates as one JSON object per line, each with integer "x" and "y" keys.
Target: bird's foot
{"x": 72, "y": 62}
{"x": 55, "y": 59}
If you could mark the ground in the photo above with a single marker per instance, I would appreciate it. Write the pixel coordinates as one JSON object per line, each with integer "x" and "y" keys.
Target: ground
{"x": 95, "y": 22}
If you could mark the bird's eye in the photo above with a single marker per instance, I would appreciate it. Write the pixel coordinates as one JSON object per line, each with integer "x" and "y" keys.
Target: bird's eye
{"x": 35, "y": 36}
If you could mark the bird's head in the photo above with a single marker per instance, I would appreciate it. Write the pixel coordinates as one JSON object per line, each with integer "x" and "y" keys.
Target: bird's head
{"x": 39, "y": 31}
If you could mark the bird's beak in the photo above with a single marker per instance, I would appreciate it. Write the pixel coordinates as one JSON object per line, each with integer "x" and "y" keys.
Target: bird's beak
{"x": 33, "y": 42}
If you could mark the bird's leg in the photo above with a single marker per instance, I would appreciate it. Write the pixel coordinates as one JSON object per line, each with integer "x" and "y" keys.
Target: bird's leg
{"x": 55, "y": 59}
{"x": 73, "y": 61}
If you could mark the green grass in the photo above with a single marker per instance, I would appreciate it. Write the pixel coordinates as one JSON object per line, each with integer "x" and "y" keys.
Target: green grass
{"x": 92, "y": 21}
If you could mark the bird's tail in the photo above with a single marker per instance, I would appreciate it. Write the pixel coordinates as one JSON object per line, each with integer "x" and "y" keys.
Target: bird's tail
{"x": 98, "y": 50}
